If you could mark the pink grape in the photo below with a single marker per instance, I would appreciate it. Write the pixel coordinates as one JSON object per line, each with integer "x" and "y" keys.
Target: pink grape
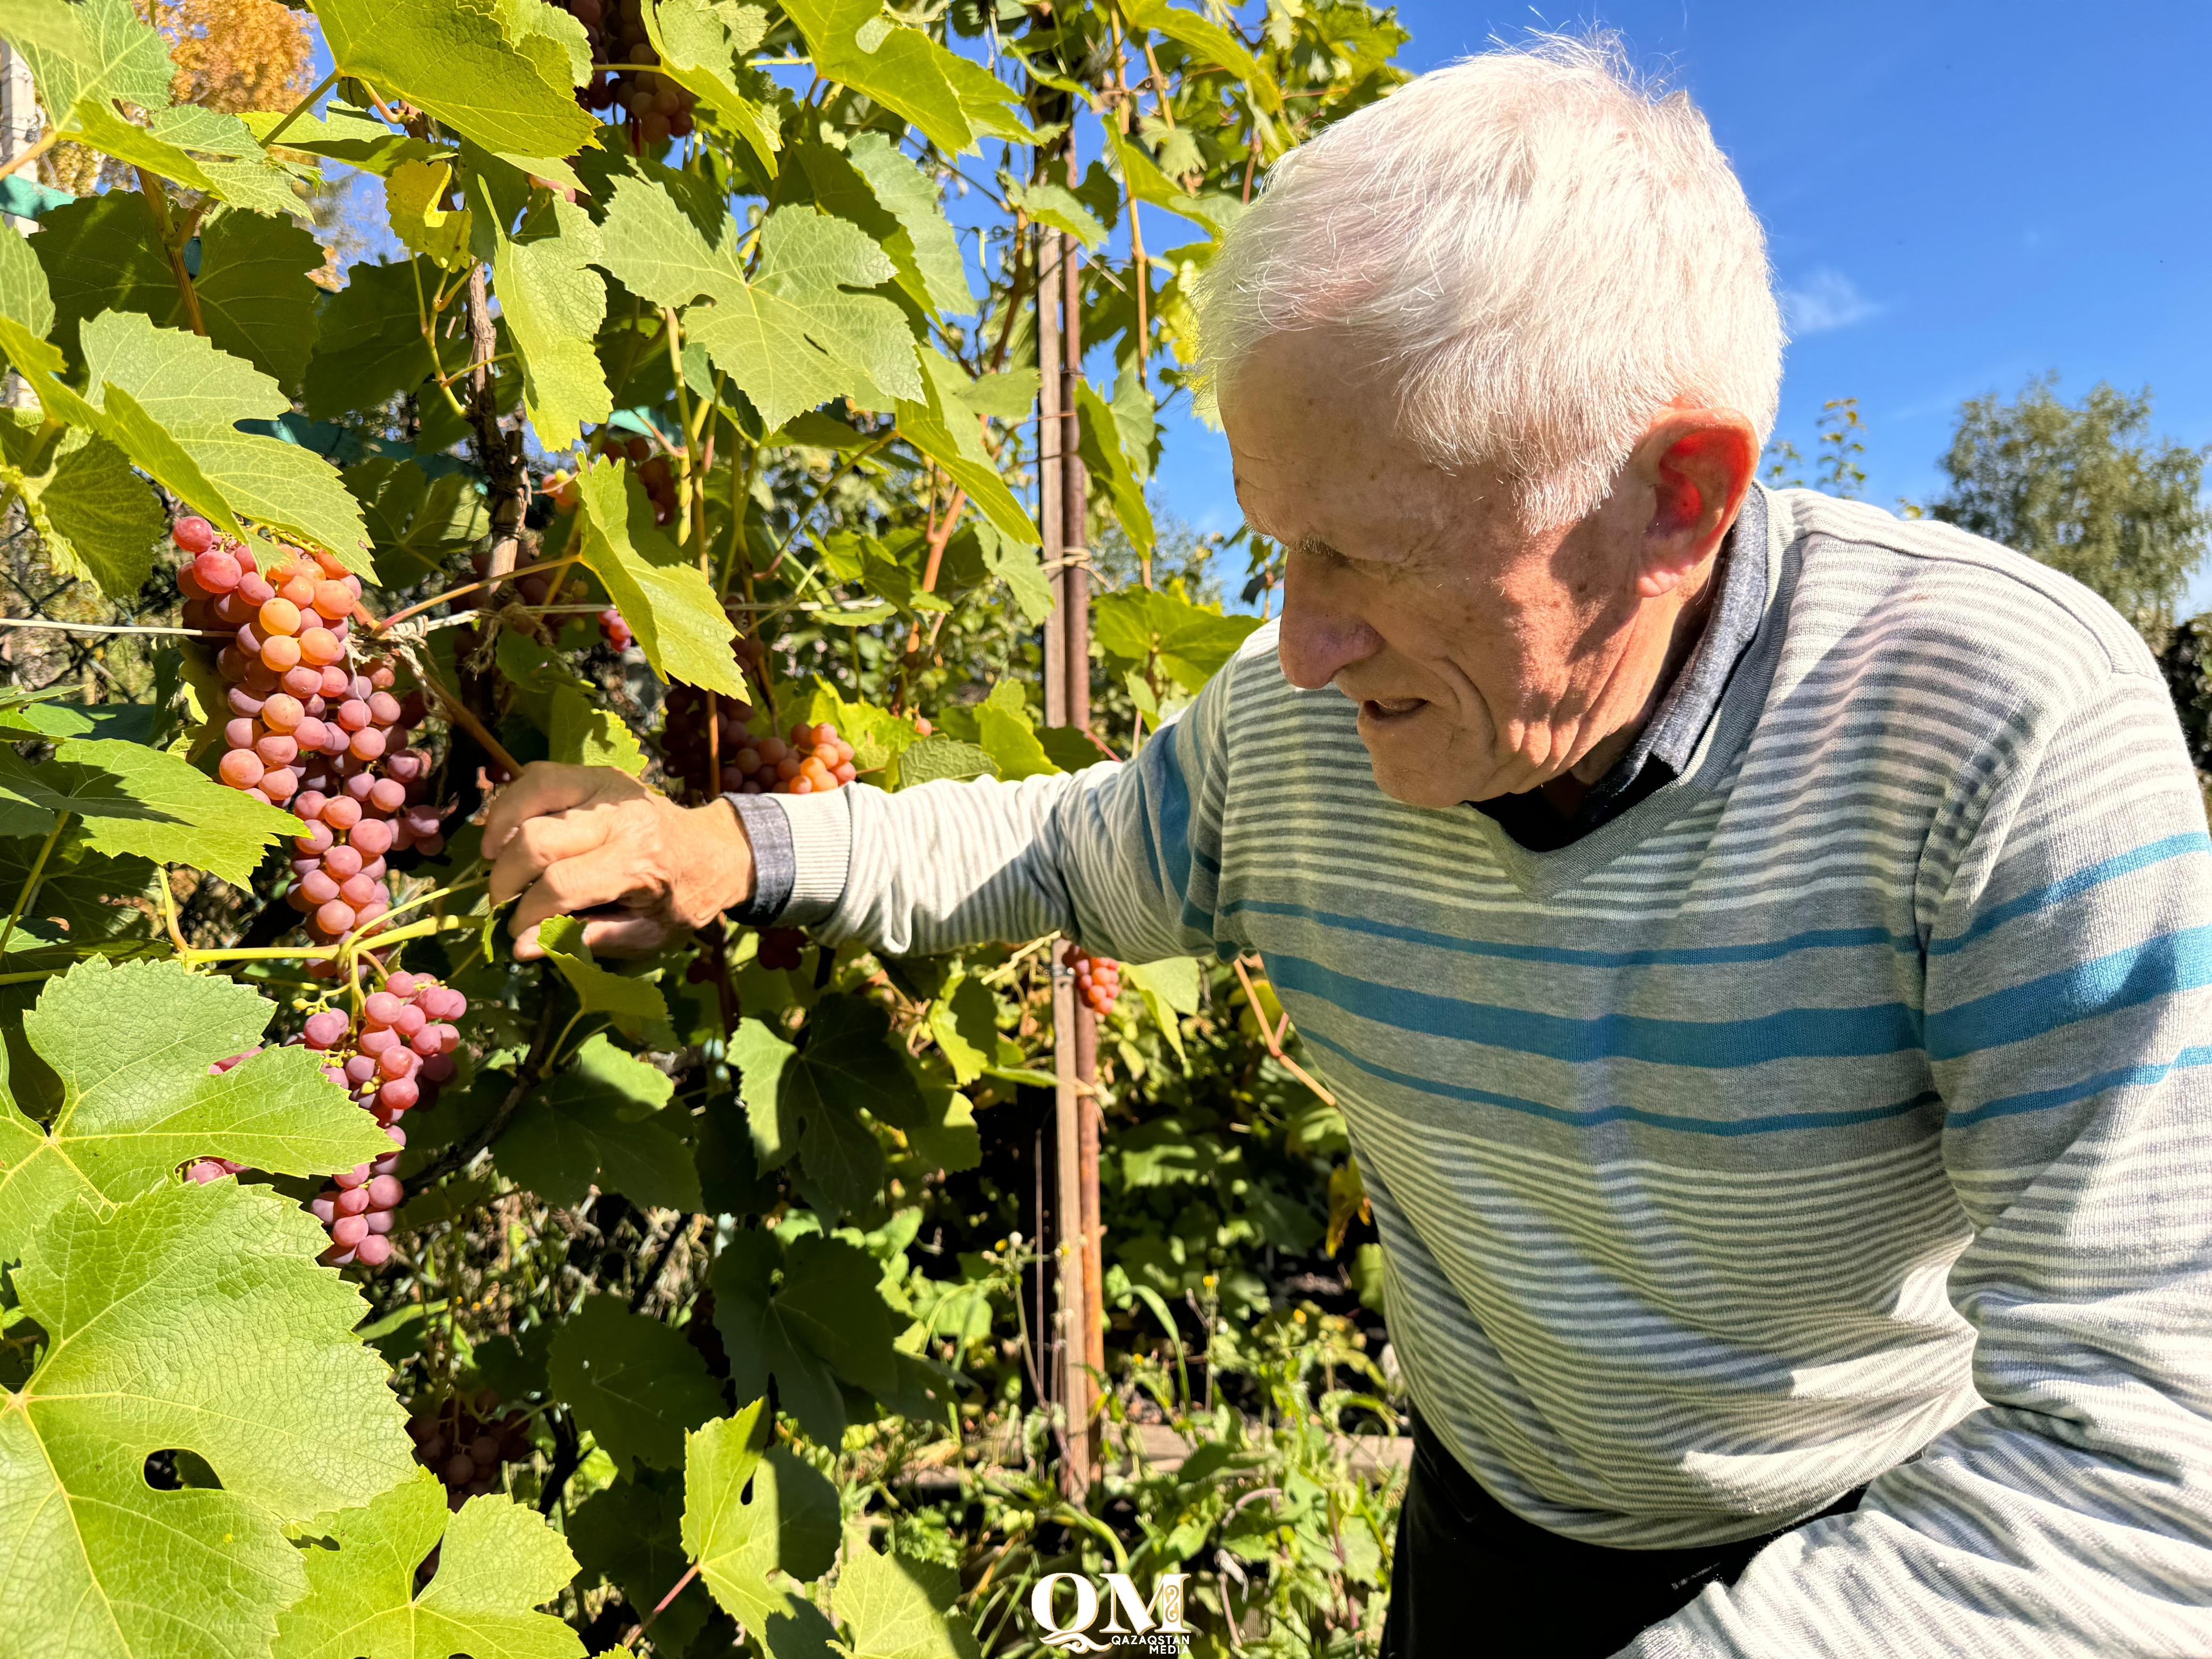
{"x": 327, "y": 1029}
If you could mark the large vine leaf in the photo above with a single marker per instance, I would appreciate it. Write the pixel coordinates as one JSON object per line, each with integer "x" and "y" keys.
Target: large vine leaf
{"x": 130, "y": 1045}
{"x": 629, "y": 1534}
{"x": 592, "y": 1126}
{"x": 662, "y": 594}
{"x": 553, "y": 301}
{"x": 1100, "y": 445}
{"x": 371, "y": 346}
{"x": 740, "y": 1546}
{"x": 78, "y": 888}
{"x": 599, "y": 991}
{"x": 102, "y": 253}
{"x": 807, "y": 1101}
{"x": 923, "y": 246}
{"x": 171, "y": 396}
{"x": 1207, "y": 42}
{"x": 949, "y": 98}
{"x": 497, "y": 1562}
{"x": 635, "y": 1383}
{"x": 700, "y": 43}
{"x": 254, "y": 293}
{"x": 480, "y": 68}
{"x": 192, "y": 1317}
{"x": 147, "y": 801}
{"x": 1193, "y": 641}
{"x": 826, "y": 1321}
{"x": 95, "y": 516}
{"x": 942, "y": 429}
{"x": 896, "y": 1607}
{"x": 815, "y": 262}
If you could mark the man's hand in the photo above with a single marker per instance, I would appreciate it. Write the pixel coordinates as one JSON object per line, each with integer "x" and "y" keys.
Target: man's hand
{"x": 591, "y": 842}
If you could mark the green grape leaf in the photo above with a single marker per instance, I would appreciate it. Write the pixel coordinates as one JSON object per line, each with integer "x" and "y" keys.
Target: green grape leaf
{"x": 945, "y": 432}
{"x": 1207, "y": 43}
{"x": 484, "y": 71}
{"x": 196, "y": 1318}
{"x": 964, "y": 1021}
{"x": 700, "y": 43}
{"x": 553, "y": 302}
{"x": 870, "y": 184}
{"x": 629, "y": 1535}
{"x": 1007, "y": 731}
{"x": 1193, "y": 641}
{"x": 599, "y": 991}
{"x": 414, "y": 206}
{"x": 591, "y": 1127}
{"x": 415, "y": 521}
{"x": 896, "y": 1607}
{"x": 745, "y": 1550}
{"x": 662, "y": 595}
{"x": 584, "y": 735}
{"x": 936, "y": 757}
{"x": 902, "y": 69}
{"x": 131, "y": 1046}
{"x": 813, "y": 260}
{"x": 807, "y": 1101}
{"x": 1169, "y": 989}
{"x": 497, "y": 1562}
{"x": 254, "y": 293}
{"x": 171, "y": 402}
{"x": 102, "y": 253}
{"x": 344, "y": 132}
{"x": 637, "y": 1384}
{"x": 78, "y": 886}
{"x": 371, "y": 345}
{"x": 147, "y": 801}
{"x": 826, "y": 1322}
{"x": 1100, "y": 445}
{"x": 1058, "y": 206}
{"x": 95, "y": 515}
{"x": 49, "y": 26}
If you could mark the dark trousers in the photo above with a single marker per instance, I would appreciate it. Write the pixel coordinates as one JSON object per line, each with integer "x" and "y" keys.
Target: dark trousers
{"x": 1471, "y": 1579}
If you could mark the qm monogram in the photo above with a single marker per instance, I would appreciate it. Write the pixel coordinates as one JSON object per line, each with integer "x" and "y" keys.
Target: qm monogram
{"x": 1159, "y": 1627}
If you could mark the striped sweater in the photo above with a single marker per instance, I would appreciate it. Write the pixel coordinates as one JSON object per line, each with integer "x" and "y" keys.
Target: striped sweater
{"x": 1840, "y": 1112}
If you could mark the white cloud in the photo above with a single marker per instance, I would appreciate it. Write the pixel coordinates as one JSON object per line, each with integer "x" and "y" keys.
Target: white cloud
{"x": 1827, "y": 300}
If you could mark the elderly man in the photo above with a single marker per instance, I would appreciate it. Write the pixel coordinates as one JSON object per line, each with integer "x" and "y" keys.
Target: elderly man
{"x": 1762, "y": 945}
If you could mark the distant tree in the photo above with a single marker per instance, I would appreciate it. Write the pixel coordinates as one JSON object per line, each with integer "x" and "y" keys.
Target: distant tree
{"x": 2086, "y": 491}
{"x": 1842, "y": 438}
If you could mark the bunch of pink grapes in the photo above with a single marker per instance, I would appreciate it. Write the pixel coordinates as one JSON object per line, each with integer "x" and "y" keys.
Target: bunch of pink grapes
{"x": 391, "y": 1061}
{"x": 310, "y": 725}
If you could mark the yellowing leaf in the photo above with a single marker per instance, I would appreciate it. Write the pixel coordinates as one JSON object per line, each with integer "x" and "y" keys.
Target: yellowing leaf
{"x": 497, "y": 1560}
{"x": 413, "y": 203}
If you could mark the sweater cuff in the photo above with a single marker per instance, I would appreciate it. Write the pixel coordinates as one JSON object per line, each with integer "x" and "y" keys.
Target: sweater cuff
{"x": 802, "y": 850}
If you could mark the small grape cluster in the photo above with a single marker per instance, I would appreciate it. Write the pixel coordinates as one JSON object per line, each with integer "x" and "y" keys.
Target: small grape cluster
{"x": 684, "y": 736}
{"x": 815, "y": 761}
{"x": 392, "y": 1063}
{"x": 616, "y": 631}
{"x": 1097, "y": 980}
{"x": 655, "y": 108}
{"x": 780, "y": 948}
{"x": 307, "y": 728}
{"x": 464, "y": 1443}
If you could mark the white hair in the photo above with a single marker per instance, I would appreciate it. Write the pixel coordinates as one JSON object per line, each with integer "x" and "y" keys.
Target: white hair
{"x": 1544, "y": 250}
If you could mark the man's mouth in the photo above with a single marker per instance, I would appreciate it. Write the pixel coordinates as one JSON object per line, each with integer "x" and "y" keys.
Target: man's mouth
{"x": 1384, "y": 710}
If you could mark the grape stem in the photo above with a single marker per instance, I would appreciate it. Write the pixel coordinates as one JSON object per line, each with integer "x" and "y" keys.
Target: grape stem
{"x": 300, "y": 109}
{"x": 31, "y": 882}
{"x": 421, "y": 605}
{"x": 458, "y": 712}
{"x": 690, "y": 1572}
{"x": 1274, "y": 1035}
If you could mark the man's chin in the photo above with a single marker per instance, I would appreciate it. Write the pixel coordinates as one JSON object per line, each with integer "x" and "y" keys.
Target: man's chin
{"x": 1417, "y": 785}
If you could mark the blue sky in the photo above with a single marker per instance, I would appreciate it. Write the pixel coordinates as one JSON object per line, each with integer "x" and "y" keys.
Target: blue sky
{"x": 1956, "y": 197}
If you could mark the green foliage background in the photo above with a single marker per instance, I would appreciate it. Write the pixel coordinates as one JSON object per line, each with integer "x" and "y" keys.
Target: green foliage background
{"x": 754, "y": 1250}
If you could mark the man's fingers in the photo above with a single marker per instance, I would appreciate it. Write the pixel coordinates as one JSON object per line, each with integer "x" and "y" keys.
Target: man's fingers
{"x": 540, "y": 842}
{"x": 600, "y": 875}
{"x": 545, "y": 786}
{"x": 626, "y": 936}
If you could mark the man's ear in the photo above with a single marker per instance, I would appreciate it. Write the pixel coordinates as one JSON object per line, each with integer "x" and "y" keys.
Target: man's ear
{"x": 1697, "y": 464}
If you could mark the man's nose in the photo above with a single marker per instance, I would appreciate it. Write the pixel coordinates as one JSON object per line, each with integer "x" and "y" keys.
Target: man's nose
{"x": 1322, "y": 634}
